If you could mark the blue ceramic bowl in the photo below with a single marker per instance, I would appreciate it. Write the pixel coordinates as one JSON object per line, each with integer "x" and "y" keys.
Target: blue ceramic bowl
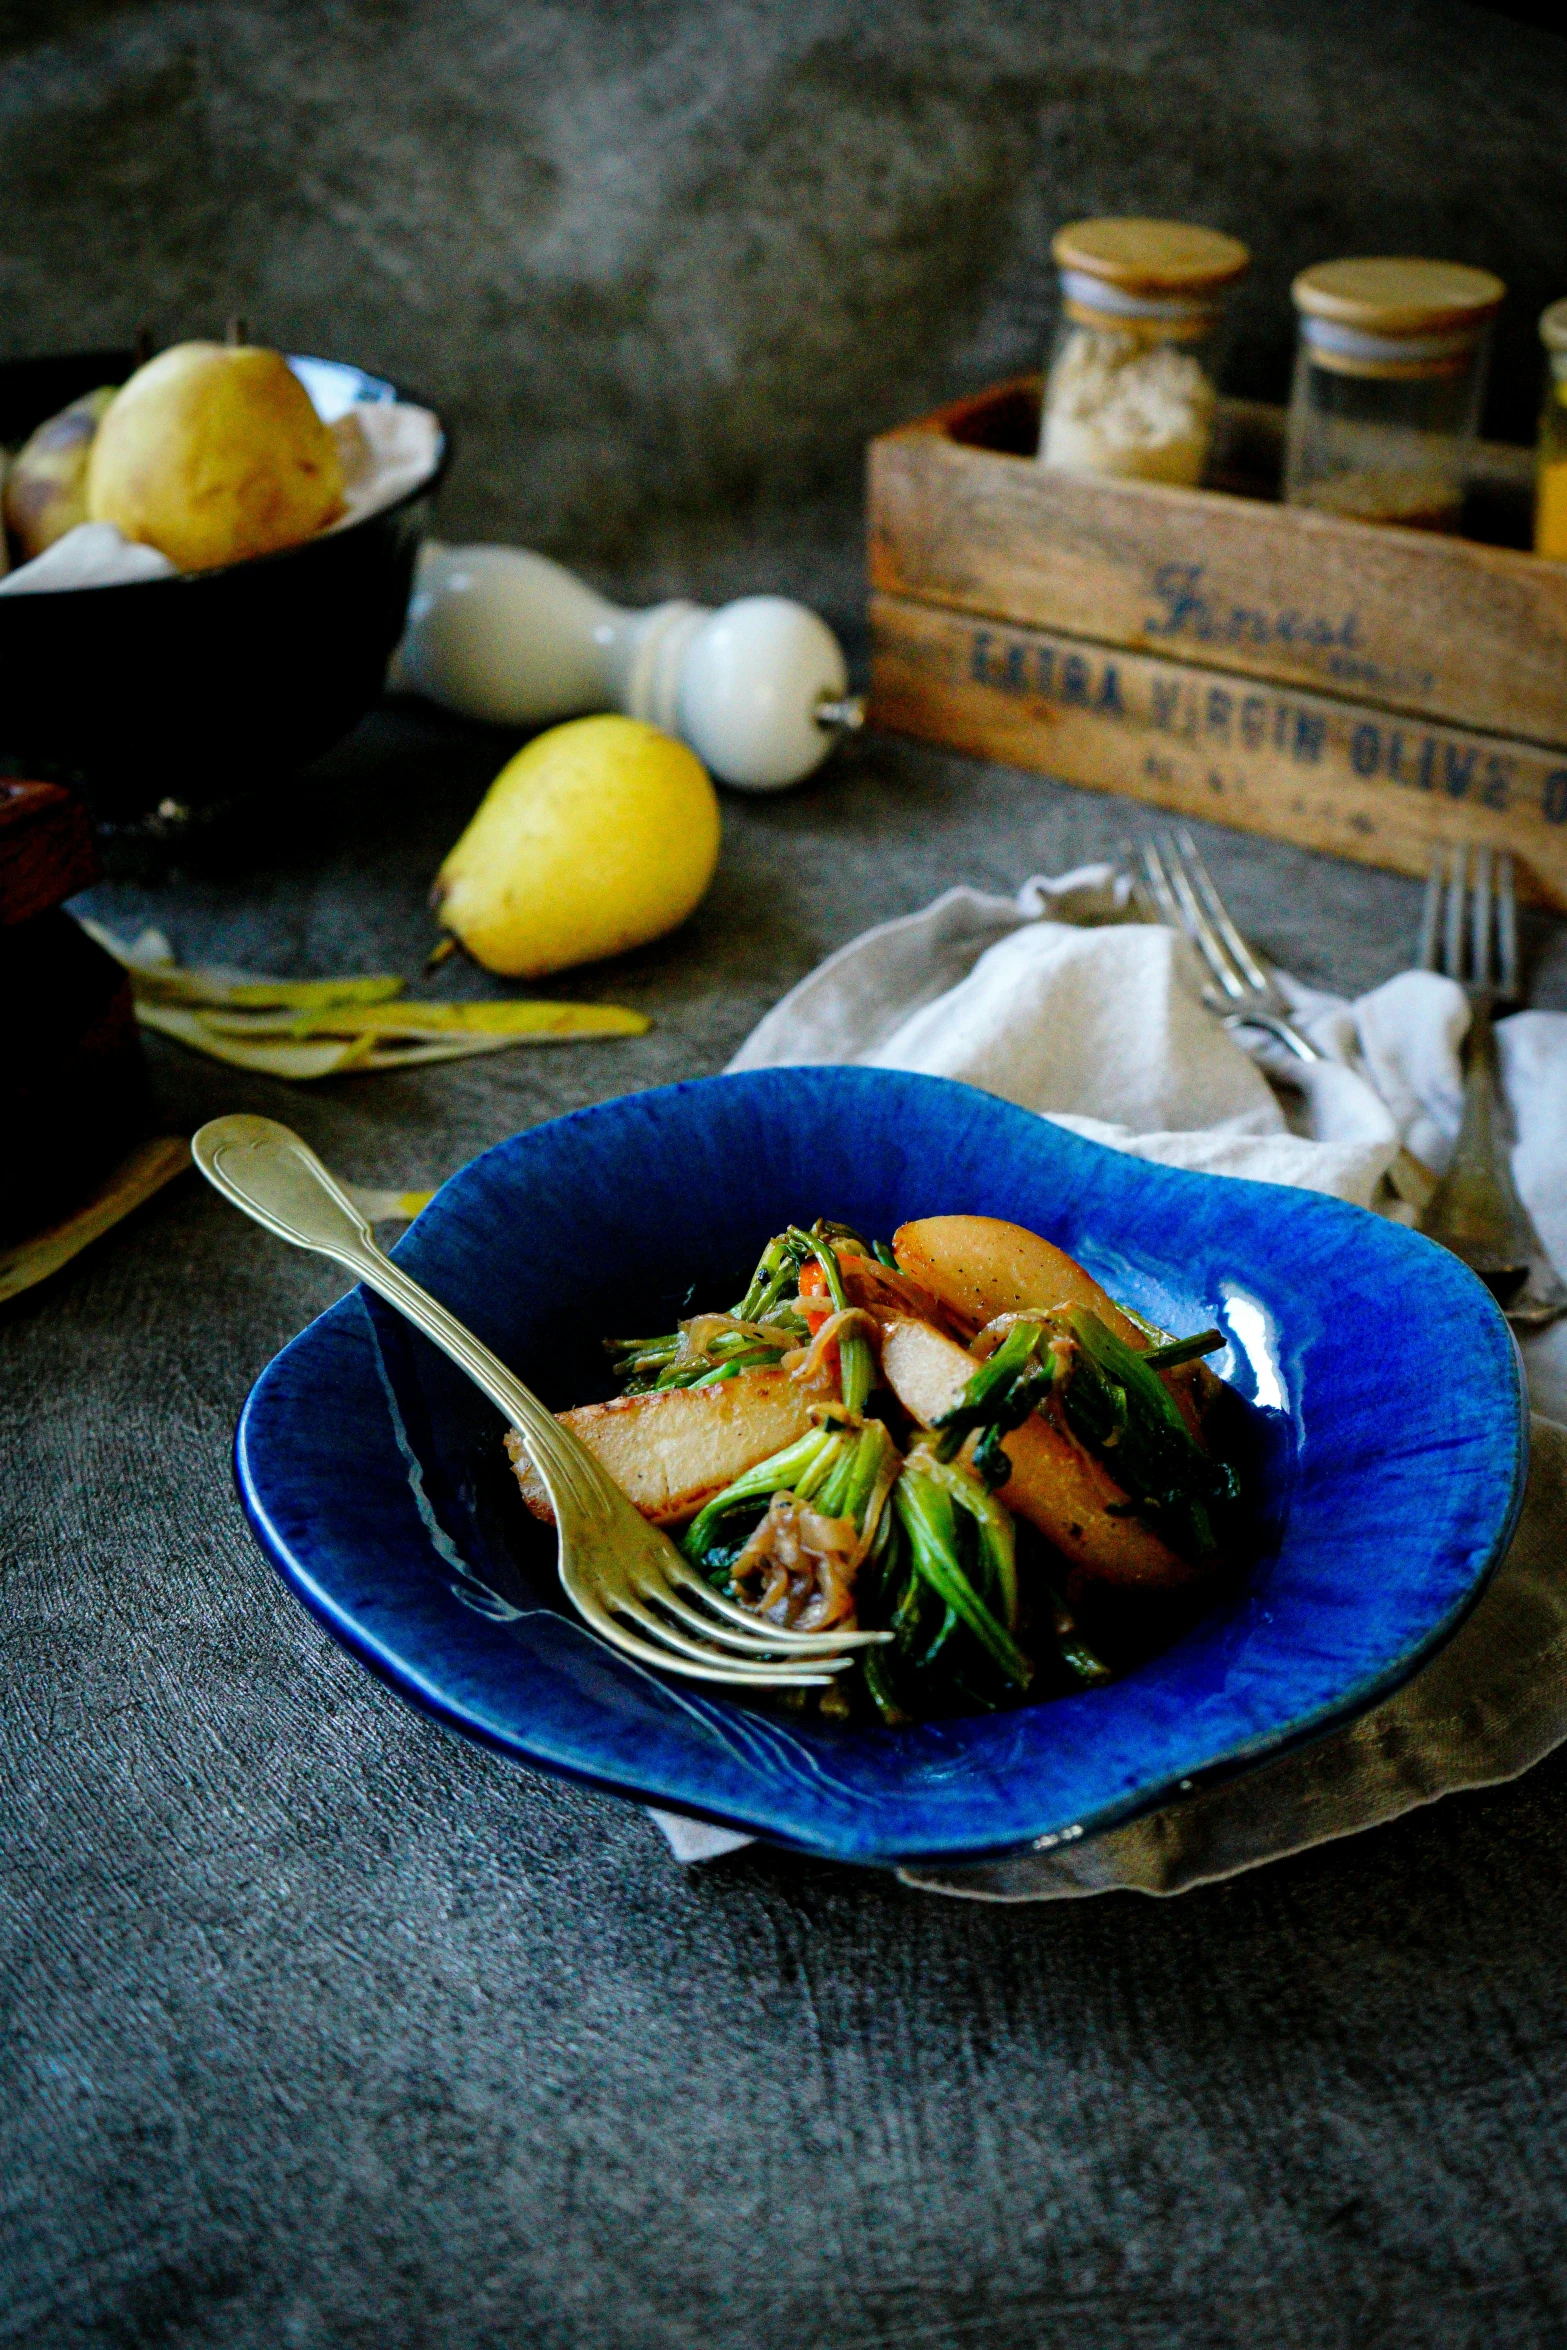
{"x": 1386, "y": 1397}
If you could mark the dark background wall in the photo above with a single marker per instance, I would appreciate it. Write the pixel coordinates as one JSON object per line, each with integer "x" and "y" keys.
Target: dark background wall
{"x": 666, "y": 263}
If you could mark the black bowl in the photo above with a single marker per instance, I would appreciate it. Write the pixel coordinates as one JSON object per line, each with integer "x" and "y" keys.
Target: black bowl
{"x": 196, "y": 689}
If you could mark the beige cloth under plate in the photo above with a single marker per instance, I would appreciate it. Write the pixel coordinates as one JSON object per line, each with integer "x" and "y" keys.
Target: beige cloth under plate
{"x": 1057, "y": 1001}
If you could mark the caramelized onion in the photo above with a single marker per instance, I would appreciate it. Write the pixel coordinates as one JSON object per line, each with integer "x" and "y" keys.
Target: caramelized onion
{"x": 804, "y": 1564}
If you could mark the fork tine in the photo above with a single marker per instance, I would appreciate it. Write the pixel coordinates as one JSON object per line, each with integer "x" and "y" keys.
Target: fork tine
{"x": 1430, "y": 915}
{"x": 1480, "y": 919}
{"x": 654, "y": 1568}
{"x": 1219, "y": 912}
{"x": 630, "y": 1608}
{"x": 726, "y": 1669}
{"x": 1453, "y": 913}
{"x": 740, "y": 1626}
{"x": 1195, "y": 923}
{"x": 1168, "y": 909}
{"x": 1507, "y": 925}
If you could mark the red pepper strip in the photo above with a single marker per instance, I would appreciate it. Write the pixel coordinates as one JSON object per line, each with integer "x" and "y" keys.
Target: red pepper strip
{"x": 813, "y": 1284}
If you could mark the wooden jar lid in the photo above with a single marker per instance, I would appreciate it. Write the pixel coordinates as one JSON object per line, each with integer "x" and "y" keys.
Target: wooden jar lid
{"x": 1393, "y": 297}
{"x": 1150, "y": 256}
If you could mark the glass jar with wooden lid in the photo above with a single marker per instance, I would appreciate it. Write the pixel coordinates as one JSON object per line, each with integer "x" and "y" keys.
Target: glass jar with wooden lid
{"x": 1389, "y": 376}
{"x": 1132, "y": 381}
{"x": 1550, "y": 510}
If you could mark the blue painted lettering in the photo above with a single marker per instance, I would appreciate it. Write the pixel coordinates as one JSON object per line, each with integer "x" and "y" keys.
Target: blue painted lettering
{"x": 1365, "y": 750}
{"x": 1175, "y": 584}
{"x": 1458, "y": 768}
{"x": 1310, "y": 735}
{"x": 1188, "y": 611}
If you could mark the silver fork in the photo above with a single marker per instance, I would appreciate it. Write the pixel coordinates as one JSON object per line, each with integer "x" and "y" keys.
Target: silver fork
{"x": 1469, "y": 928}
{"x": 1244, "y": 994}
{"x": 622, "y": 1574}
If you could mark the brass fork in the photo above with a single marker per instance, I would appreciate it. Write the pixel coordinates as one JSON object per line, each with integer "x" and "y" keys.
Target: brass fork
{"x": 1469, "y": 928}
{"x": 623, "y": 1575}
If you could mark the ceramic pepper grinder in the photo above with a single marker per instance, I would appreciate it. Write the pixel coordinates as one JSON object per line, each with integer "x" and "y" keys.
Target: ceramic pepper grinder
{"x": 759, "y": 689}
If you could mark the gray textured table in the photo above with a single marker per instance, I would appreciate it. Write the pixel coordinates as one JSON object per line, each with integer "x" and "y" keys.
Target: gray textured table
{"x": 323, "y": 2028}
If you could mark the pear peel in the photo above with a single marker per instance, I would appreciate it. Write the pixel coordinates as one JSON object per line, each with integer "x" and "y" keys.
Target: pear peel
{"x": 302, "y": 1029}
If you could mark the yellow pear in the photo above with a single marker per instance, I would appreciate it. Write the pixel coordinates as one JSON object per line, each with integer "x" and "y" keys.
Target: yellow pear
{"x": 212, "y": 452}
{"x": 602, "y": 834}
{"x": 46, "y": 488}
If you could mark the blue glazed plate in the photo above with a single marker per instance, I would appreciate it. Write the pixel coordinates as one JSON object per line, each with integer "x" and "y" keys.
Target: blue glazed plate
{"x": 1387, "y": 1403}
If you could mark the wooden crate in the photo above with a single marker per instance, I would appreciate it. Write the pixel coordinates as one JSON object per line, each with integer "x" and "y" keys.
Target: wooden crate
{"x": 1362, "y": 690}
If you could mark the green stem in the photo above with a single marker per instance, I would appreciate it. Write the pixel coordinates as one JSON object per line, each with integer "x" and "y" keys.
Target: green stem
{"x": 779, "y": 1265}
{"x": 998, "y": 1538}
{"x": 876, "y": 1666}
{"x": 1184, "y": 1350}
{"x": 925, "y": 1512}
{"x": 857, "y": 1365}
{"x": 755, "y": 1358}
{"x": 1124, "y": 1413}
{"x": 999, "y": 1398}
{"x": 790, "y": 1471}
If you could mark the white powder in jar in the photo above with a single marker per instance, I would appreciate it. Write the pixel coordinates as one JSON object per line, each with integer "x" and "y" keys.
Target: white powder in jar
{"x": 1118, "y": 404}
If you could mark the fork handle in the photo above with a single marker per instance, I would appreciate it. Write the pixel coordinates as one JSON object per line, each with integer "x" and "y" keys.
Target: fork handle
{"x": 1410, "y": 1177}
{"x": 1476, "y": 1211}
{"x": 265, "y": 1169}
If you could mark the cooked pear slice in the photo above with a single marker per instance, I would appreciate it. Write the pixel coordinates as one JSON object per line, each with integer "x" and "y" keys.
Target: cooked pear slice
{"x": 980, "y": 1267}
{"x": 671, "y": 1452}
{"x": 890, "y": 1296}
{"x": 1055, "y": 1483}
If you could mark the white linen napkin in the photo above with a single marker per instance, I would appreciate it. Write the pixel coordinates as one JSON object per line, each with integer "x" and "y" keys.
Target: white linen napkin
{"x": 1063, "y": 1001}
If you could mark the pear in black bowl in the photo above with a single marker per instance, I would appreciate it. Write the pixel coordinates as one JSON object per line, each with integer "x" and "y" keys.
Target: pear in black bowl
{"x": 199, "y": 688}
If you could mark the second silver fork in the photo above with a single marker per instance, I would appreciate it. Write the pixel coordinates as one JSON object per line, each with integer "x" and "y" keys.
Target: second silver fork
{"x": 1469, "y": 930}
{"x": 1244, "y": 992}
{"x": 1180, "y": 892}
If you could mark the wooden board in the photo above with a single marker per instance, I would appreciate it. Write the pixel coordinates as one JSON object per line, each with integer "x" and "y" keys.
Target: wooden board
{"x": 1347, "y": 777}
{"x": 46, "y": 849}
{"x": 1433, "y": 626}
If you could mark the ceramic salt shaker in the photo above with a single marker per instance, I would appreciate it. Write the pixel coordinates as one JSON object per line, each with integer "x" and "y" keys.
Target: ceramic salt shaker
{"x": 759, "y": 688}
